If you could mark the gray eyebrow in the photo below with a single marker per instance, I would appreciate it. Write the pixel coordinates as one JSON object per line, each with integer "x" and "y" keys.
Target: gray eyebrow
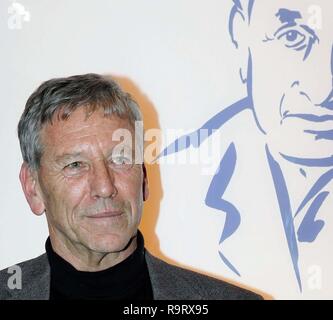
{"x": 67, "y": 156}
{"x": 288, "y": 16}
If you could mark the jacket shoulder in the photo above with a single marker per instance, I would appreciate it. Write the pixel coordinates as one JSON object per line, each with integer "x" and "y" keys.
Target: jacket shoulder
{"x": 25, "y": 280}
{"x": 173, "y": 282}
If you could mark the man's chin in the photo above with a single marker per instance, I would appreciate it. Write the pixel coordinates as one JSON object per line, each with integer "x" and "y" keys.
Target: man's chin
{"x": 300, "y": 145}
{"x": 107, "y": 243}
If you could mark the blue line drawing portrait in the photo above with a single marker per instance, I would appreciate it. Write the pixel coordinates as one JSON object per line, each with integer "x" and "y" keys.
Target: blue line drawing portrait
{"x": 288, "y": 74}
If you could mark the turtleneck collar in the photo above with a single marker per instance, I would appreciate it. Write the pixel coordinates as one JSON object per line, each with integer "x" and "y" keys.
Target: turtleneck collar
{"x": 128, "y": 279}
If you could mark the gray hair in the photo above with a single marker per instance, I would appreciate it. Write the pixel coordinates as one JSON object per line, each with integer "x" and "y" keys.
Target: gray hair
{"x": 60, "y": 97}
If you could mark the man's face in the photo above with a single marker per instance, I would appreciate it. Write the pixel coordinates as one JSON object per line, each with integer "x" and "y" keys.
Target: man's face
{"x": 291, "y": 48}
{"x": 92, "y": 194}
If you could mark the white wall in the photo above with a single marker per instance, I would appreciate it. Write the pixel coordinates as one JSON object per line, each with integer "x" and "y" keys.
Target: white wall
{"x": 177, "y": 59}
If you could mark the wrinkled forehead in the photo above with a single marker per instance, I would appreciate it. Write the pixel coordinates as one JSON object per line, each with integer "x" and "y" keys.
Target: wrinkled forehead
{"x": 273, "y": 13}
{"x": 79, "y": 124}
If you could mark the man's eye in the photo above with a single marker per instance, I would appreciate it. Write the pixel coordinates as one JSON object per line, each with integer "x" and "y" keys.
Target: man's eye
{"x": 299, "y": 38}
{"x": 74, "y": 167}
{"x": 293, "y": 39}
{"x": 121, "y": 162}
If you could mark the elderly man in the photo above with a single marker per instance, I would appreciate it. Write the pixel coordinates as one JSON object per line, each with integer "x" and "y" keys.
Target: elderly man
{"x": 91, "y": 187}
{"x": 289, "y": 104}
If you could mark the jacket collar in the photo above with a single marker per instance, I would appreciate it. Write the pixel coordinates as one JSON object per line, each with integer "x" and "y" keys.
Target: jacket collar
{"x": 36, "y": 276}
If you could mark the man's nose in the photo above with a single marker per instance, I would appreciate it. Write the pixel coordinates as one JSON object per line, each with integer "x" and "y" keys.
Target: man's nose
{"x": 323, "y": 96}
{"x": 102, "y": 181}
{"x": 328, "y": 101}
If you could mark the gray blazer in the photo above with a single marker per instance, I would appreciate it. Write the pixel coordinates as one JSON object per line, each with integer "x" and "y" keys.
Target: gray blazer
{"x": 168, "y": 283}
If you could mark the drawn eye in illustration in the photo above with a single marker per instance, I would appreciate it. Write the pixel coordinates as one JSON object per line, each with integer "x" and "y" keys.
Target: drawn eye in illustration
{"x": 293, "y": 39}
{"x": 298, "y": 38}
{"x": 279, "y": 41}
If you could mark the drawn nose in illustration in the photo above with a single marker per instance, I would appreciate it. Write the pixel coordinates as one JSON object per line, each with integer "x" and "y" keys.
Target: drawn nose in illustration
{"x": 328, "y": 101}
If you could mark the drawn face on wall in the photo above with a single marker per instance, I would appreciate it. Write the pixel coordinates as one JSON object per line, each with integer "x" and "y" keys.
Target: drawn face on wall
{"x": 289, "y": 44}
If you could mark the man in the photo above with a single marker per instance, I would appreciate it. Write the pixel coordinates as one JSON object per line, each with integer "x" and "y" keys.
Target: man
{"x": 82, "y": 168}
{"x": 288, "y": 77}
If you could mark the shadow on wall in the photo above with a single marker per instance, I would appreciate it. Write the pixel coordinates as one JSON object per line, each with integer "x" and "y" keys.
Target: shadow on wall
{"x": 152, "y": 205}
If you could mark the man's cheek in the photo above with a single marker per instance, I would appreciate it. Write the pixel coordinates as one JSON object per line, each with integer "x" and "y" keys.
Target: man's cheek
{"x": 76, "y": 192}
{"x": 266, "y": 109}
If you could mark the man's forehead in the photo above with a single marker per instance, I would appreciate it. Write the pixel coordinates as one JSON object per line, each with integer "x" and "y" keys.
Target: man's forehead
{"x": 297, "y": 4}
{"x": 66, "y": 145}
{"x": 301, "y": 8}
{"x": 269, "y": 16}
{"x": 78, "y": 125}
{"x": 79, "y": 119}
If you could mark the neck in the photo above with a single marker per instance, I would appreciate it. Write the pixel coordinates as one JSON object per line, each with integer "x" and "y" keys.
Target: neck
{"x": 299, "y": 179}
{"x": 83, "y": 258}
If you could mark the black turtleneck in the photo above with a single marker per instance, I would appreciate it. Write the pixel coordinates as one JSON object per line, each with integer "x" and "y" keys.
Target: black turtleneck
{"x": 128, "y": 279}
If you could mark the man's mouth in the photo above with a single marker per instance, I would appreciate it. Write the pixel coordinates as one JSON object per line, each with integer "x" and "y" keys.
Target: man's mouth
{"x": 308, "y": 117}
{"x": 106, "y": 214}
{"x": 313, "y": 113}
{"x": 321, "y": 135}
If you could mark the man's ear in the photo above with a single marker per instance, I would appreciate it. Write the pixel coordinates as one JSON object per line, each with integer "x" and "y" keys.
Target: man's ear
{"x": 145, "y": 187}
{"x": 239, "y": 25}
{"x": 31, "y": 189}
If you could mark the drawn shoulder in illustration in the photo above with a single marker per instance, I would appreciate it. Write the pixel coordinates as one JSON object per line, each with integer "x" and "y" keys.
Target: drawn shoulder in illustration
{"x": 290, "y": 100}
